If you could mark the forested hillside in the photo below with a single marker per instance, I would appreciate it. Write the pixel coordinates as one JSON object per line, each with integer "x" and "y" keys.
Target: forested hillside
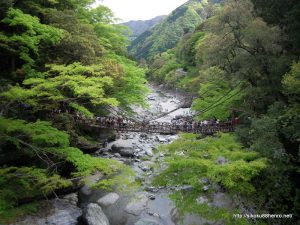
{"x": 60, "y": 61}
{"x": 140, "y": 26}
{"x": 241, "y": 62}
{"x": 167, "y": 33}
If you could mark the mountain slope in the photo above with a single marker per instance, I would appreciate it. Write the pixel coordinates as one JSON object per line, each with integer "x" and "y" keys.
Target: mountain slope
{"x": 167, "y": 33}
{"x": 140, "y": 26}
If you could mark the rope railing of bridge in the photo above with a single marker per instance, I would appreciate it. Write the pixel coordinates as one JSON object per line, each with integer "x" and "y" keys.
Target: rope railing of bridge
{"x": 126, "y": 125}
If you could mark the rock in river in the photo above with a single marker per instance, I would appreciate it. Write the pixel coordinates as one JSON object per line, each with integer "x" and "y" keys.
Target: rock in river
{"x": 108, "y": 199}
{"x": 123, "y": 151}
{"x": 61, "y": 213}
{"x": 137, "y": 205}
{"x": 85, "y": 191}
{"x": 93, "y": 215}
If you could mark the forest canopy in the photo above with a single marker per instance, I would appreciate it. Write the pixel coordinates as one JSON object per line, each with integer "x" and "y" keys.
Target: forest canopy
{"x": 60, "y": 60}
{"x": 243, "y": 62}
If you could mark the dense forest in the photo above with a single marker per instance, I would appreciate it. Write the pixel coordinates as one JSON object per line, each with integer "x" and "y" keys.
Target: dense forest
{"x": 242, "y": 61}
{"x": 61, "y": 60}
{"x": 58, "y": 59}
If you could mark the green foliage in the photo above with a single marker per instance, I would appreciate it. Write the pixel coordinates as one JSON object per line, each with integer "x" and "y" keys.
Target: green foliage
{"x": 46, "y": 146}
{"x": 26, "y": 182}
{"x": 186, "y": 203}
{"x": 73, "y": 84}
{"x": 217, "y": 96}
{"x": 101, "y": 14}
{"x": 83, "y": 70}
{"x": 111, "y": 37}
{"x": 164, "y": 68}
{"x": 129, "y": 86}
{"x": 284, "y": 15}
{"x": 191, "y": 160}
{"x": 28, "y": 33}
{"x": 246, "y": 49}
{"x": 80, "y": 43}
{"x": 239, "y": 66}
{"x": 186, "y": 48}
{"x": 82, "y": 110}
{"x": 167, "y": 34}
{"x": 291, "y": 82}
{"x": 8, "y": 216}
{"x": 41, "y": 133}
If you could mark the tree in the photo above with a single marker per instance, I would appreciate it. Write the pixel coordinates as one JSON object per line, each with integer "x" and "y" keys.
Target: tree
{"x": 194, "y": 163}
{"x": 218, "y": 97}
{"x": 22, "y": 42}
{"x": 44, "y": 149}
{"x": 60, "y": 59}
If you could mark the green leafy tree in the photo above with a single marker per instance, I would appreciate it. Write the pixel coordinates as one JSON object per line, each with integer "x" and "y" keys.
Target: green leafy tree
{"x": 74, "y": 86}
{"x": 22, "y": 44}
{"x": 80, "y": 43}
{"x": 217, "y": 96}
{"x": 246, "y": 49}
{"x": 195, "y": 163}
{"x": 45, "y": 148}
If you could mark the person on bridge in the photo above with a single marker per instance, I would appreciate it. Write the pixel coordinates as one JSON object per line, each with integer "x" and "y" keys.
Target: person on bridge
{"x": 235, "y": 121}
{"x": 120, "y": 122}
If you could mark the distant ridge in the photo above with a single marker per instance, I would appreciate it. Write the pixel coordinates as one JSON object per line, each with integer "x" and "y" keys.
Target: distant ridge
{"x": 166, "y": 34}
{"x": 140, "y": 26}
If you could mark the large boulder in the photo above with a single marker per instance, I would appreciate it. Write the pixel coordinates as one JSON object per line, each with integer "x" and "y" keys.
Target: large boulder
{"x": 148, "y": 152}
{"x": 71, "y": 198}
{"x": 93, "y": 215}
{"x": 123, "y": 151}
{"x": 85, "y": 191}
{"x": 146, "y": 165}
{"x": 222, "y": 200}
{"x": 108, "y": 199}
{"x": 61, "y": 213}
{"x": 137, "y": 205}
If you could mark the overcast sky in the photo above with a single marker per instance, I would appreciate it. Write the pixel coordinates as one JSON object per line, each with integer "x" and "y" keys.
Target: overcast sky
{"x": 141, "y": 9}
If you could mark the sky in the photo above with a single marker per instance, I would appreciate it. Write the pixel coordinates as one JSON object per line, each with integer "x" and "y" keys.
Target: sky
{"x": 128, "y": 10}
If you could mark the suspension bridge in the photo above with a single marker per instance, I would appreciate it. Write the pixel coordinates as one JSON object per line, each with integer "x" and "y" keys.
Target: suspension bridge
{"x": 125, "y": 125}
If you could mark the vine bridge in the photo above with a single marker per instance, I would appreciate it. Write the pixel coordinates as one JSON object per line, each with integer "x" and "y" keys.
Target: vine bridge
{"x": 125, "y": 125}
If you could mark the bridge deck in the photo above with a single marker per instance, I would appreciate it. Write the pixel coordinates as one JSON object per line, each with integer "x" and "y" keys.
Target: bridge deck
{"x": 163, "y": 128}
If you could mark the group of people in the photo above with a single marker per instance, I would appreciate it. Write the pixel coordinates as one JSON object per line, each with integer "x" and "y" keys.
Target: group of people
{"x": 113, "y": 122}
{"x": 182, "y": 124}
{"x": 188, "y": 124}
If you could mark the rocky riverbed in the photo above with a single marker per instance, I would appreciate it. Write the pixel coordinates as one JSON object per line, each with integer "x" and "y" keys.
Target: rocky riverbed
{"x": 147, "y": 206}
